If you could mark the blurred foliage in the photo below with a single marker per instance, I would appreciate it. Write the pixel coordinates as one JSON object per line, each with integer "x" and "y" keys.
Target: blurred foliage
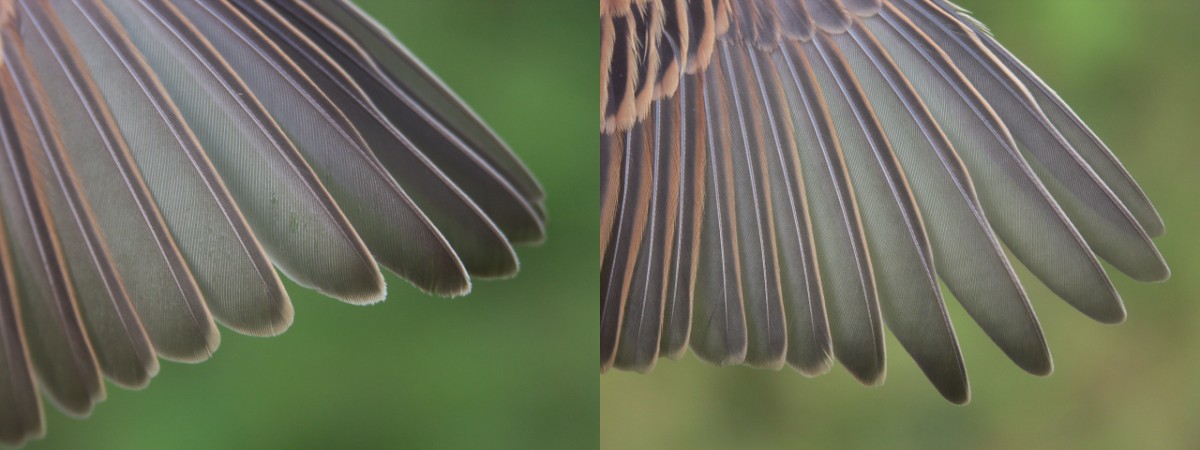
{"x": 501, "y": 368}
{"x": 1129, "y": 68}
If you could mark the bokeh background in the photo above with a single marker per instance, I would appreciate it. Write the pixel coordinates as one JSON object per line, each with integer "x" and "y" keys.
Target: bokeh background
{"x": 1131, "y": 69}
{"x": 505, "y": 367}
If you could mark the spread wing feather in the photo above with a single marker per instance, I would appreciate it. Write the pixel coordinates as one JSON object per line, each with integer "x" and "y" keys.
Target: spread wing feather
{"x": 343, "y": 37}
{"x": 160, "y": 159}
{"x": 121, "y": 346}
{"x": 475, "y": 238}
{"x": 859, "y": 153}
{"x": 60, "y": 350}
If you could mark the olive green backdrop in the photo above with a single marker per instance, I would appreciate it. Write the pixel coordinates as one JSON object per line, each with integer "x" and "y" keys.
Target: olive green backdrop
{"x": 511, "y": 366}
{"x": 1131, "y": 69}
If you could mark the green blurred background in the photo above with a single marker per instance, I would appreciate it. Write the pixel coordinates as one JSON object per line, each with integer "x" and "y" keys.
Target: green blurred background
{"x": 502, "y": 368}
{"x": 1130, "y": 69}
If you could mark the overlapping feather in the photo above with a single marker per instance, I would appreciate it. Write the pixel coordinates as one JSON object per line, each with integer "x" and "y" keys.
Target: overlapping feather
{"x": 828, "y": 163}
{"x": 161, "y": 158}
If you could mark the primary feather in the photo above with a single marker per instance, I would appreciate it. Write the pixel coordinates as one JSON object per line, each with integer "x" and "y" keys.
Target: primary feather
{"x": 159, "y": 159}
{"x": 781, "y": 178}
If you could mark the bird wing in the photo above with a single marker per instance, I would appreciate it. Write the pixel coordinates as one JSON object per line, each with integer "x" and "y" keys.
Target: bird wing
{"x": 781, "y": 178}
{"x": 159, "y": 159}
